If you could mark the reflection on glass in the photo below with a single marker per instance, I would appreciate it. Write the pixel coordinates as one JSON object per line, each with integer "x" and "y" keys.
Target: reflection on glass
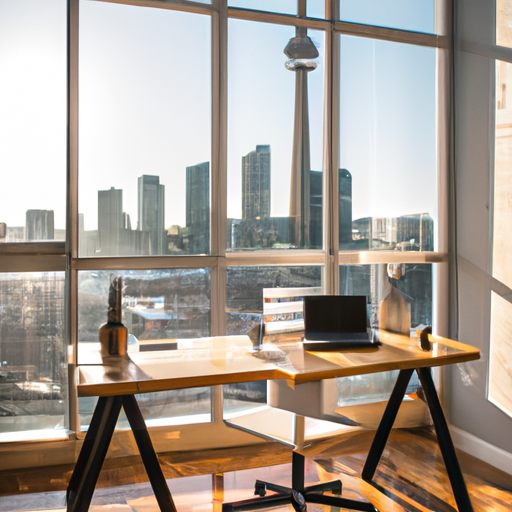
{"x": 158, "y": 307}
{"x": 500, "y": 375}
{"x": 33, "y": 114}
{"x": 412, "y": 281}
{"x": 33, "y": 367}
{"x": 388, "y": 152}
{"x": 274, "y": 137}
{"x": 157, "y": 304}
{"x": 416, "y": 15}
{"x": 145, "y": 131}
{"x": 245, "y": 310}
{"x": 380, "y": 283}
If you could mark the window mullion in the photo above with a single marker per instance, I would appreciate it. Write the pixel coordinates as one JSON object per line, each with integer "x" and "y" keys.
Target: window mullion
{"x": 330, "y": 185}
{"x": 219, "y": 166}
{"x": 71, "y": 295}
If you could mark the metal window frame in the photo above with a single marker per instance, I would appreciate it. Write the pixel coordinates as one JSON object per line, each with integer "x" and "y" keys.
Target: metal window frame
{"x": 50, "y": 256}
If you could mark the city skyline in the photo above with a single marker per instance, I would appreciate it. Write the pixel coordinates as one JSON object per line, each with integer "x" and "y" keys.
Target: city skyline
{"x": 117, "y": 235}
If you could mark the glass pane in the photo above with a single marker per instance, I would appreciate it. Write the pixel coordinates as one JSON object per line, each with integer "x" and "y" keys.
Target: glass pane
{"x": 411, "y": 282}
{"x": 416, "y": 15}
{"x": 245, "y": 311}
{"x": 315, "y": 9}
{"x": 274, "y": 198}
{"x": 280, "y": 6}
{"x": 388, "y": 149}
{"x": 158, "y": 307}
{"x": 33, "y": 119}
{"x": 145, "y": 131}
{"x": 33, "y": 369}
{"x": 504, "y": 23}
{"x": 500, "y": 373}
{"x": 401, "y": 301}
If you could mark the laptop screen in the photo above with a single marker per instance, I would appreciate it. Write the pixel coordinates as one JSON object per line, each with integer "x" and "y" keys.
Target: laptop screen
{"x": 335, "y": 313}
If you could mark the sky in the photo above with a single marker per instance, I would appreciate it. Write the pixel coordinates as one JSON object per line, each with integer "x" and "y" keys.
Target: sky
{"x": 145, "y": 106}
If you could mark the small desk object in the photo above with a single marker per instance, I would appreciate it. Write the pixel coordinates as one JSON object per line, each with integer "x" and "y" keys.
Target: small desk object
{"x": 224, "y": 360}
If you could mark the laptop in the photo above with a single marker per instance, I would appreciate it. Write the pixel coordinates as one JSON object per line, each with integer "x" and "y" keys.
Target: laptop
{"x": 337, "y": 322}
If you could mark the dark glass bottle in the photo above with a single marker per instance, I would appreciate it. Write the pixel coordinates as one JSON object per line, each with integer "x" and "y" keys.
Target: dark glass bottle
{"x": 113, "y": 334}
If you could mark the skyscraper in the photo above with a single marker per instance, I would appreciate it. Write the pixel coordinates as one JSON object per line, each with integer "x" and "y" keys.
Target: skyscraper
{"x": 39, "y": 225}
{"x": 256, "y": 184}
{"x": 316, "y": 205}
{"x": 198, "y": 207}
{"x": 151, "y": 209}
{"x": 110, "y": 220}
{"x": 345, "y": 205}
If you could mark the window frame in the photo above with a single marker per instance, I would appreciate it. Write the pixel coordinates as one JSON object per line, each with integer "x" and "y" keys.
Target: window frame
{"x": 40, "y": 256}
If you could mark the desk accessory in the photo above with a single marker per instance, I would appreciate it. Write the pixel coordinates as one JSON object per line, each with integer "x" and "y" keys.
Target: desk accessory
{"x": 114, "y": 335}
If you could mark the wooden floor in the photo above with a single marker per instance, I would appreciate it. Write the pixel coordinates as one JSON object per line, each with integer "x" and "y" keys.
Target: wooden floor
{"x": 411, "y": 477}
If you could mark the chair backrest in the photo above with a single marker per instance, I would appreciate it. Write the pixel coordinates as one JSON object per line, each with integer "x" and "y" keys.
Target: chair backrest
{"x": 283, "y": 308}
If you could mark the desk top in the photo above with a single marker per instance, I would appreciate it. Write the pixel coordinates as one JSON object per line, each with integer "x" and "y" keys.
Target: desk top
{"x": 225, "y": 360}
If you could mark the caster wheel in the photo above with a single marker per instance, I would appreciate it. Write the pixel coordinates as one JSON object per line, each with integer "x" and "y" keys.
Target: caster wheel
{"x": 298, "y": 502}
{"x": 260, "y": 490}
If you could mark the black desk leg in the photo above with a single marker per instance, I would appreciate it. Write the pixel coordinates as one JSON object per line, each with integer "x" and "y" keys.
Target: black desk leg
{"x": 147, "y": 452}
{"x": 445, "y": 442}
{"x": 385, "y": 425}
{"x": 95, "y": 446}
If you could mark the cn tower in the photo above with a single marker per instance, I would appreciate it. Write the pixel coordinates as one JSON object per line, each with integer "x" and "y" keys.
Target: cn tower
{"x": 301, "y": 51}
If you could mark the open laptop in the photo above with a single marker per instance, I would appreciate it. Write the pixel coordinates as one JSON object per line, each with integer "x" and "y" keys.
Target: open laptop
{"x": 336, "y": 322}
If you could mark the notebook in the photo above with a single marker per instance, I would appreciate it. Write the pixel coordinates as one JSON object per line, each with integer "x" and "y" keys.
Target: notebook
{"x": 337, "y": 322}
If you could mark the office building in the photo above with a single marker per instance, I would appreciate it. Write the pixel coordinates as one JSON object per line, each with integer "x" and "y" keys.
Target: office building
{"x": 39, "y": 225}
{"x": 198, "y": 207}
{"x": 151, "y": 209}
{"x": 316, "y": 205}
{"x": 110, "y": 221}
{"x": 256, "y": 184}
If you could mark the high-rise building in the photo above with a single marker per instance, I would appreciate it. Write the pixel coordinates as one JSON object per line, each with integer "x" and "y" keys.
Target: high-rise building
{"x": 198, "y": 207}
{"x": 110, "y": 220}
{"x": 345, "y": 206}
{"x": 315, "y": 209}
{"x": 151, "y": 209}
{"x": 39, "y": 225}
{"x": 256, "y": 184}
{"x": 316, "y": 205}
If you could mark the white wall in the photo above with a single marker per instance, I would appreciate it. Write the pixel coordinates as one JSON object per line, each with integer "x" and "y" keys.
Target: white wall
{"x": 465, "y": 384}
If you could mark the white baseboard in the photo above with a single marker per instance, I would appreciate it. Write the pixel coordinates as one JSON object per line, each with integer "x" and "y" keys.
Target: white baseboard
{"x": 481, "y": 449}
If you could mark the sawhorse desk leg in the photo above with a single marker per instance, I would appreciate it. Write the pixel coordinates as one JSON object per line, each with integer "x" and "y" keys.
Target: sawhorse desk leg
{"x": 443, "y": 434}
{"x": 96, "y": 443}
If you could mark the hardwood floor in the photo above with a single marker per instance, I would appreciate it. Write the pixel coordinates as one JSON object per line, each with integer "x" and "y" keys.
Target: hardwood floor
{"x": 410, "y": 478}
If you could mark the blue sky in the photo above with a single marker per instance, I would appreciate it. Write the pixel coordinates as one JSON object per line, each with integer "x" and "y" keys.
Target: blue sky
{"x": 145, "y": 106}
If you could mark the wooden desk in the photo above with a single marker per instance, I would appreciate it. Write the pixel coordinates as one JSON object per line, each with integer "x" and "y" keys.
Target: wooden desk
{"x": 214, "y": 361}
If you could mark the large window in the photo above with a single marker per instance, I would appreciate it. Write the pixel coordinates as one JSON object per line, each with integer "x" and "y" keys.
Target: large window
{"x": 500, "y": 372}
{"x": 145, "y": 120}
{"x": 33, "y": 355}
{"x": 32, "y": 120}
{"x": 388, "y": 149}
{"x": 275, "y": 142}
{"x": 214, "y": 150}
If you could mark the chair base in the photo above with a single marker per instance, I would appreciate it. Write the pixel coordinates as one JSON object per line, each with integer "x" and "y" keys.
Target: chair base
{"x": 298, "y": 495}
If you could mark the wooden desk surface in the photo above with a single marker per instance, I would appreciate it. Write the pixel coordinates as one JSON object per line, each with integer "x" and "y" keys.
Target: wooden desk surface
{"x": 224, "y": 360}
